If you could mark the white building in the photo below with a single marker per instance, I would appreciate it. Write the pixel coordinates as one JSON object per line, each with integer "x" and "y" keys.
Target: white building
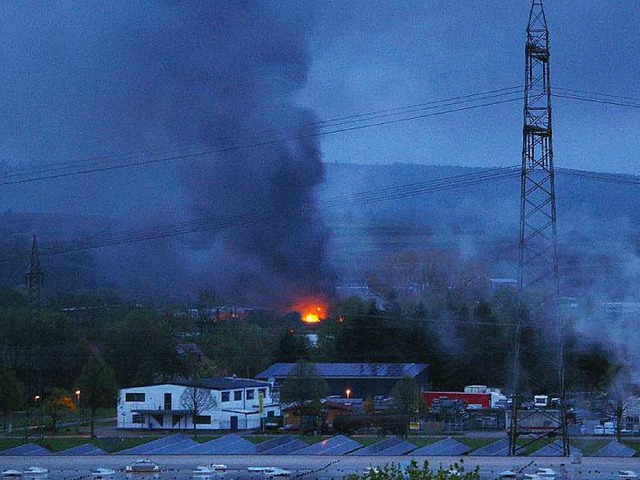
{"x": 231, "y": 404}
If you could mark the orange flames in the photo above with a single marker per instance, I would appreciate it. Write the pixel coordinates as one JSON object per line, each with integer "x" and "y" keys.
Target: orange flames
{"x": 311, "y": 310}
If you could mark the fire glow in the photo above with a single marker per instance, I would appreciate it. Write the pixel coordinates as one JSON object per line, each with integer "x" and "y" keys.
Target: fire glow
{"x": 311, "y": 311}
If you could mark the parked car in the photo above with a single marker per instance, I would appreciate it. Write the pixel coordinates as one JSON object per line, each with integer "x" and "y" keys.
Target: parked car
{"x": 144, "y": 465}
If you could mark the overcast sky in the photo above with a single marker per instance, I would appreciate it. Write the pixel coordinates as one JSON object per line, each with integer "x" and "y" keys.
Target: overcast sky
{"x": 223, "y": 102}
{"x": 85, "y": 79}
{"x": 383, "y": 54}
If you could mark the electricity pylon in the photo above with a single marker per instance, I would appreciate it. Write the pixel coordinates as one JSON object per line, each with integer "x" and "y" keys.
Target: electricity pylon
{"x": 538, "y": 261}
{"x": 33, "y": 278}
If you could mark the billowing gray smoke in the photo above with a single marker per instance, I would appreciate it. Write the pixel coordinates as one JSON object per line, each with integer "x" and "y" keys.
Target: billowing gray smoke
{"x": 94, "y": 78}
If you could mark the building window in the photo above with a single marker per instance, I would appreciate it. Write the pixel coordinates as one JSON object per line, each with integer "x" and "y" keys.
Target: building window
{"x": 137, "y": 418}
{"x": 203, "y": 420}
{"x": 225, "y": 396}
{"x": 251, "y": 394}
{"x": 237, "y": 395}
{"x": 134, "y": 397}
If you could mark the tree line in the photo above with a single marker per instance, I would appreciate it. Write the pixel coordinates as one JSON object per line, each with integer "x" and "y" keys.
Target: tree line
{"x": 433, "y": 309}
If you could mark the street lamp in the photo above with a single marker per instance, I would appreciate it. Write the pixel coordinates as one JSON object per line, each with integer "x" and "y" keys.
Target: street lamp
{"x": 348, "y": 392}
{"x": 38, "y": 404}
{"x": 77, "y": 392}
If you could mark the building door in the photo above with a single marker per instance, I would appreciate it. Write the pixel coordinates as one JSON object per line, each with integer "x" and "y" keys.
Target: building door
{"x": 234, "y": 423}
{"x": 167, "y": 401}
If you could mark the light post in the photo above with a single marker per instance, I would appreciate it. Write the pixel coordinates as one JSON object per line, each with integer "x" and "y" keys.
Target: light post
{"x": 38, "y": 405}
{"x": 77, "y": 392}
{"x": 348, "y": 393}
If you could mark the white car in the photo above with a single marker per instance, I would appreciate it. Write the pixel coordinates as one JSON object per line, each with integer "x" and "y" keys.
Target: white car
{"x": 11, "y": 473}
{"x": 32, "y": 471}
{"x": 144, "y": 465}
{"x": 627, "y": 475}
{"x": 508, "y": 475}
{"x": 270, "y": 471}
{"x": 277, "y": 472}
{"x": 210, "y": 469}
{"x": 100, "y": 473}
{"x": 546, "y": 473}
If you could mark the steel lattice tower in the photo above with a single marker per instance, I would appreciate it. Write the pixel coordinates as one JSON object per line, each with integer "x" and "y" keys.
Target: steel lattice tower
{"x": 34, "y": 275}
{"x": 538, "y": 263}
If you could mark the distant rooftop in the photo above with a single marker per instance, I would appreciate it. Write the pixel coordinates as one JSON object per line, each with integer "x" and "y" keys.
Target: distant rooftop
{"x": 217, "y": 383}
{"x": 349, "y": 370}
{"x": 229, "y": 383}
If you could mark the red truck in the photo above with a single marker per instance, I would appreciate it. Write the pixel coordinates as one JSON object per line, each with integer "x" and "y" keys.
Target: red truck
{"x": 471, "y": 400}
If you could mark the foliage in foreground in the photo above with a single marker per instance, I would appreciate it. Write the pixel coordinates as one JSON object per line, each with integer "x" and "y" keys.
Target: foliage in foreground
{"x": 411, "y": 471}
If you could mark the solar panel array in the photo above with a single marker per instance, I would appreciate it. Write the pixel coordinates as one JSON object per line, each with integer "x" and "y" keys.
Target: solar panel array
{"x": 154, "y": 445}
{"x": 339, "y": 445}
{"x": 27, "y": 449}
{"x": 551, "y": 450}
{"x": 388, "y": 446}
{"x": 83, "y": 450}
{"x": 280, "y": 445}
{"x": 496, "y": 449}
{"x": 447, "y": 448}
{"x": 615, "y": 449}
{"x": 175, "y": 448}
{"x": 229, "y": 445}
{"x": 290, "y": 445}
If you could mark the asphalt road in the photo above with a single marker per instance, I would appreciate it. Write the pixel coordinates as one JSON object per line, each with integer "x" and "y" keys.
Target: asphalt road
{"x": 180, "y": 467}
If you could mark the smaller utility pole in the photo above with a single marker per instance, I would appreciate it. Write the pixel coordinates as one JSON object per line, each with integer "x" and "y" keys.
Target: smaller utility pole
{"x": 33, "y": 278}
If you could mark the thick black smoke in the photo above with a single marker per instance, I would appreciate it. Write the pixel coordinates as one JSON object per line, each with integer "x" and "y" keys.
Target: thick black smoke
{"x": 93, "y": 78}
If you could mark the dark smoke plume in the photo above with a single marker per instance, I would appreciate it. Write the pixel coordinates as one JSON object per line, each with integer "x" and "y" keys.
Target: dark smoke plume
{"x": 94, "y": 78}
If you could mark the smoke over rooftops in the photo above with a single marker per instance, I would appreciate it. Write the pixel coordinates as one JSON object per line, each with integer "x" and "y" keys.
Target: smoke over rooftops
{"x": 93, "y": 78}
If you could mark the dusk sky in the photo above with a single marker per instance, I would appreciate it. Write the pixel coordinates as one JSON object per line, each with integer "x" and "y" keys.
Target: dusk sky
{"x": 374, "y": 55}
{"x": 83, "y": 80}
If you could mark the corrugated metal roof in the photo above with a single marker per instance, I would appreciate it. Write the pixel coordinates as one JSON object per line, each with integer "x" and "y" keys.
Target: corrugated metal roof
{"x": 349, "y": 370}
{"x": 214, "y": 383}
{"x": 230, "y": 383}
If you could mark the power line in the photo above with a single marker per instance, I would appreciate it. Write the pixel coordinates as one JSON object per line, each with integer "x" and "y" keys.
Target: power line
{"x": 274, "y": 214}
{"x": 624, "y": 179}
{"x": 603, "y": 101}
{"x": 323, "y": 128}
{"x": 597, "y": 94}
{"x": 336, "y": 202}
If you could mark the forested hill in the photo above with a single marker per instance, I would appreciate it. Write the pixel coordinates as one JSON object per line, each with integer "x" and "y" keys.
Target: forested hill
{"x": 597, "y": 222}
{"x": 598, "y": 219}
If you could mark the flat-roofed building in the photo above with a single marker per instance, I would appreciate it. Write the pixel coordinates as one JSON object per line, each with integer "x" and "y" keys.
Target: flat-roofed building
{"x": 226, "y": 403}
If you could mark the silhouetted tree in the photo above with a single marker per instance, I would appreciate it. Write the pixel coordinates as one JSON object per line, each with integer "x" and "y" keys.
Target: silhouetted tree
{"x": 97, "y": 384}
{"x": 196, "y": 400}
{"x": 10, "y": 393}
{"x": 304, "y": 388}
{"x": 56, "y": 404}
